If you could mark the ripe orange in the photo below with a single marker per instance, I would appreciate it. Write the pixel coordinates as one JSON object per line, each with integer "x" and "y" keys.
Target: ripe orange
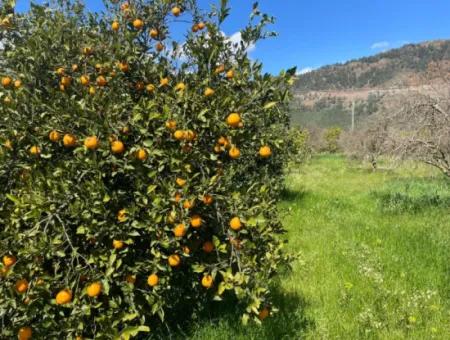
{"x": 115, "y": 26}
{"x": 21, "y": 286}
{"x": 190, "y": 135}
{"x": 179, "y": 134}
{"x": 265, "y": 151}
{"x": 84, "y": 80}
{"x": 195, "y": 28}
{"x": 180, "y": 87}
{"x": 9, "y": 260}
{"x": 123, "y": 66}
{"x": 94, "y": 289}
{"x": 17, "y": 83}
{"x": 171, "y": 125}
{"x": 66, "y": 81}
{"x": 235, "y": 223}
{"x": 186, "y": 250}
{"x": 207, "y": 199}
{"x": 117, "y": 147}
{"x": 264, "y": 313}
{"x": 153, "y": 280}
{"x": 91, "y": 143}
{"x": 209, "y": 92}
{"x": 150, "y": 88}
{"x": 101, "y": 81}
{"x": 122, "y": 215}
{"x": 208, "y": 247}
{"x": 138, "y": 24}
{"x": 88, "y": 51}
{"x": 176, "y": 11}
{"x": 180, "y": 181}
{"x": 207, "y": 281}
{"x": 35, "y": 150}
{"x": 141, "y": 154}
{"x": 63, "y": 297}
{"x": 180, "y": 230}
{"x": 25, "y": 333}
{"x": 92, "y": 90}
{"x": 164, "y": 82}
{"x": 201, "y": 25}
{"x": 118, "y": 244}
{"x": 219, "y": 69}
{"x": 177, "y": 197}
{"x": 234, "y": 152}
{"x": 154, "y": 33}
{"x": 230, "y": 74}
{"x": 69, "y": 140}
{"x": 188, "y": 204}
{"x": 196, "y": 221}
{"x": 174, "y": 260}
{"x": 54, "y": 136}
{"x": 223, "y": 141}
{"x": 234, "y": 119}
{"x": 60, "y": 71}
{"x": 74, "y": 68}
{"x": 159, "y": 47}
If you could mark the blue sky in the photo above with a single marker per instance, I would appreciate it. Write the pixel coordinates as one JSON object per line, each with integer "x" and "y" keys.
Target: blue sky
{"x": 313, "y": 33}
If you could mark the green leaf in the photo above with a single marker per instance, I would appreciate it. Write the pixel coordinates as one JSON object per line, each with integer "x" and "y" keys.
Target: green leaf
{"x": 132, "y": 331}
{"x": 269, "y": 105}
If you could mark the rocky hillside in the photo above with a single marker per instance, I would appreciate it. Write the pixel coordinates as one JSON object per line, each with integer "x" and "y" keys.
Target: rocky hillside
{"x": 410, "y": 65}
{"x": 324, "y": 97}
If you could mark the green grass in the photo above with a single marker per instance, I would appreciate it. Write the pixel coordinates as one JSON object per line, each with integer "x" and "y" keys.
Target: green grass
{"x": 364, "y": 271}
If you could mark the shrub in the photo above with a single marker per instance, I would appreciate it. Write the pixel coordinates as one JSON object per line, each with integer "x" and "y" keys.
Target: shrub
{"x": 301, "y": 148}
{"x": 331, "y": 137}
{"x": 139, "y": 176}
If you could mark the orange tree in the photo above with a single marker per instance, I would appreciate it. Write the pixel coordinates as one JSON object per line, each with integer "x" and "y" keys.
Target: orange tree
{"x": 139, "y": 177}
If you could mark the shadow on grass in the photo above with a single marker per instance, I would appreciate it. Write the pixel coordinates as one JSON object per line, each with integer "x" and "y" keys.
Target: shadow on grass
{"x": 222, "y": 321}
{"x": 290, "y": 195}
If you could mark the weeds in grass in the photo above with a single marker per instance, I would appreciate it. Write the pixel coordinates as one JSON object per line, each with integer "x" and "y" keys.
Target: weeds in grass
{"x": 413, "y": 195}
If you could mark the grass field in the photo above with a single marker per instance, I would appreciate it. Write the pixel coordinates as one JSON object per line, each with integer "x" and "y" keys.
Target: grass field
{"x": 374, "y": 257}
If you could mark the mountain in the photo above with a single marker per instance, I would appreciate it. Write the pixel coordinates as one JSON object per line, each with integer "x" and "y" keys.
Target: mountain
{"x": 324, "y": 97}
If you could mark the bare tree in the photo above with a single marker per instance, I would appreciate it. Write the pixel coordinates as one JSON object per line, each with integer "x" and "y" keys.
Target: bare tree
{"x": 369, "y": 142}
{"x": 421, "y": 130}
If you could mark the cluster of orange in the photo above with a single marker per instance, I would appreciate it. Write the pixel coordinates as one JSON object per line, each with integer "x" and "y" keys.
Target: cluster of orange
{"x": 63, "y": 297}
{"x": 8, "y": 82}
{"x": 90, "y": 142}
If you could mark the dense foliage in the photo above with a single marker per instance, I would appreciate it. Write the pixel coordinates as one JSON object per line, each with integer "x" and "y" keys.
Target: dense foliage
{"x": 139, "y": 176}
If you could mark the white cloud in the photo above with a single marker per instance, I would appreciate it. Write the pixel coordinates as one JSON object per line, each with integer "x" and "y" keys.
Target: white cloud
{"x": 381, "y": 45}
{"x": 305, "y": 70}
{"x": 236, "y": 38}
